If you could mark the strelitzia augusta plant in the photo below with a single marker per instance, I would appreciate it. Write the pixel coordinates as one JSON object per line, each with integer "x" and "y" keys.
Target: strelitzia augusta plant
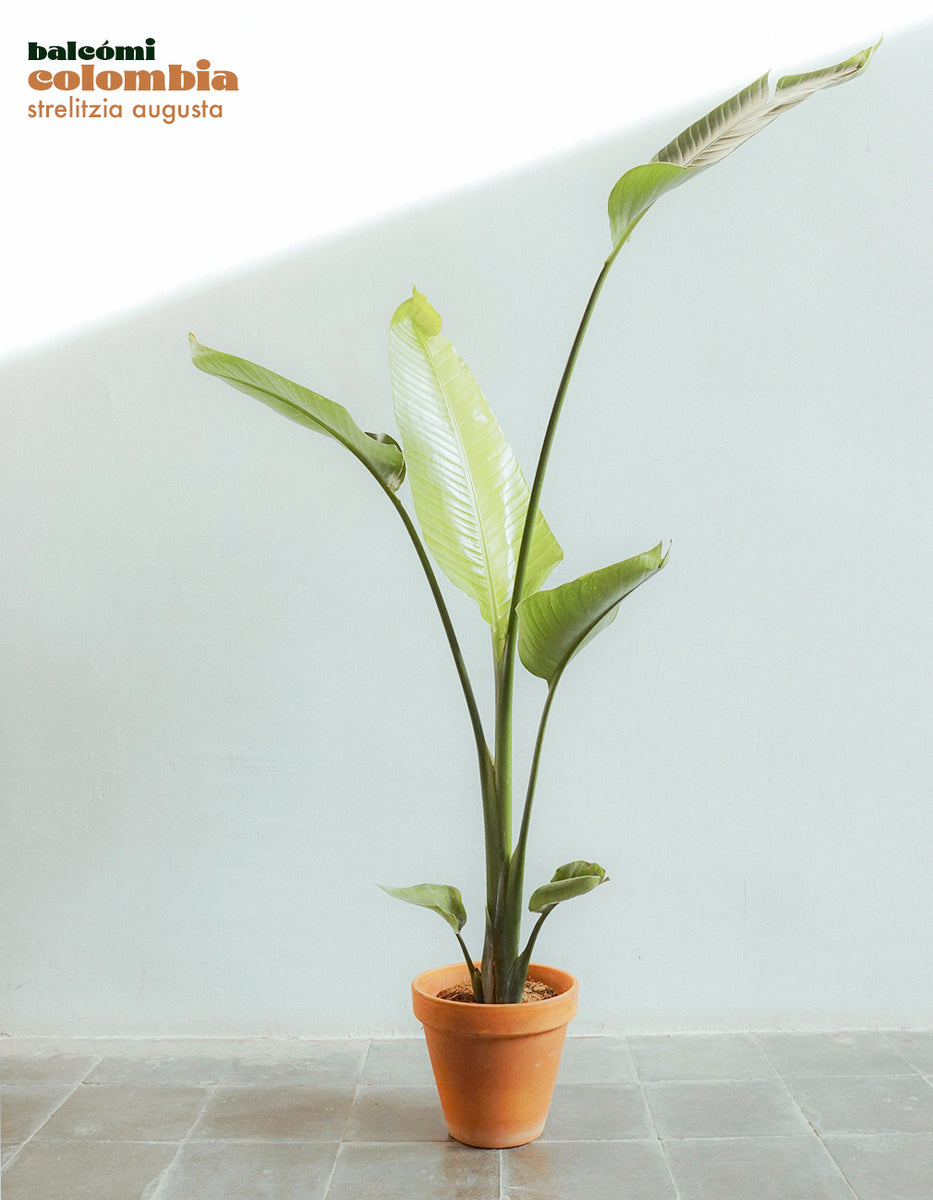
{"x": 484, "y": 528}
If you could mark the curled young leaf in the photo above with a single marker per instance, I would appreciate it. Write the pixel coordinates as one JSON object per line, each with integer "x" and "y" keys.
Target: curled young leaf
{"x": 446, "y": 901}
{"x": 733, "y": 122}
{"x": 572, "y": 879}
{"x": 714, "y": 136}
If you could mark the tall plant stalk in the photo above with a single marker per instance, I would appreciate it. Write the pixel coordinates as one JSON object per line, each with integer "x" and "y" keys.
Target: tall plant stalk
{"x": 501, "y": 980}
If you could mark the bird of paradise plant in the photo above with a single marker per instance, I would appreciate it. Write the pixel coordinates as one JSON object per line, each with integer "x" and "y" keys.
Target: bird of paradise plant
{"x": 483, "y": 525}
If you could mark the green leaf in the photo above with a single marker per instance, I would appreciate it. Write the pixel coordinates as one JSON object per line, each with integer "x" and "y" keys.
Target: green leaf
{"x": 714, "y": 136}
{"x": 468, "y": 489}
{"x": 555, "y": 624}
{"x": 744, "y": 114}
{"x": 379, "y": 453}
{"x": 572, "y": 879}
{"x": 446, "y": 901}
{"x": 635, "y": 193}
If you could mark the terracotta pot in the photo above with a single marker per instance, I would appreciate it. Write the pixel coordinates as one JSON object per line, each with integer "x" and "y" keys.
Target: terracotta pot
{"x": 495, "y": 1065}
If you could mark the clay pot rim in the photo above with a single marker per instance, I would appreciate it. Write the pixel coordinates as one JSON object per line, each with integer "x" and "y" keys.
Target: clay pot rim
{"x": 501, "y": 1019}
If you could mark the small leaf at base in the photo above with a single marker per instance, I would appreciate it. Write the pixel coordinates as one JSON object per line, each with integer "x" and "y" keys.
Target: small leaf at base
{"x": 572, "y": 879}
{"x": 446, "y": 901}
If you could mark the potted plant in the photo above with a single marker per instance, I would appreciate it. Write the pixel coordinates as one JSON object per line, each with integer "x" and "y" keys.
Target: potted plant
{"x": 483, "y": 526}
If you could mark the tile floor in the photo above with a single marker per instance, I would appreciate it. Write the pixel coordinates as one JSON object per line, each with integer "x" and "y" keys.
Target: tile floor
{"x": 769, "y": 1116}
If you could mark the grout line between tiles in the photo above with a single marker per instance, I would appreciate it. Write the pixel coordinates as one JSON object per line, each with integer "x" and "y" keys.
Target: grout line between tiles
{"x": 227, "y": 1141}
{"x": 364, "y": 1061}
{"x": 663, "y": 1083}
{"x": 863, "y": 1135}
{"x": 447, "y": 1140}
{"x": 658, "y": 1138}
{"x": 341, "y": 1143}
{"x": 786, "y": 1086}
{"x": 898, "y": 1051}
{"x": 356, "y": 1093}
{"x": 179, "y": 1146}
{"x": 842, "y": 1174}
{"x": 810, "y": 1124}
{"x": 793, "y": 1076}
{"x": 63, "y": 1100}
{"x": 333, "y": 1170}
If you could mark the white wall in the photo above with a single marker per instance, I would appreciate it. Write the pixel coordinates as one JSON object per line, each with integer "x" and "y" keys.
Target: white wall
{"x": 344, "y": 113}
{"x": 229, "y": 710}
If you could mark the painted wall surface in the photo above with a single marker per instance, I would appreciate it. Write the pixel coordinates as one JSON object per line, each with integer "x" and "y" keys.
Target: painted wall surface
{"x": 229, "y": 710}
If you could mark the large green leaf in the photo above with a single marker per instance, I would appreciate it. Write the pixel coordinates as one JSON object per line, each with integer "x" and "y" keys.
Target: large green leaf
{"x": 378, "y": 452}
{"x": 572, "y": 879}
{"x": 555, "y": 624}
{"x": 441, "y": 898}
{"x": 714, "y": 136}
{"x": 468, "y": 489}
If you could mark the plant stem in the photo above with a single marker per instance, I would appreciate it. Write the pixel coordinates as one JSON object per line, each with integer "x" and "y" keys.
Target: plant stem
{"x": 506, "y": 676}
{"x": 476, "y": 981}
{"x": 517, "y": 871}
{"x": 486, "y": 769}
{"x": 506, "y": 921}
{"x": 534, "y": 499}
{"x": 520, "y": 970}
{"x": 503, "y": 770}
{"x": 465, "y": 682}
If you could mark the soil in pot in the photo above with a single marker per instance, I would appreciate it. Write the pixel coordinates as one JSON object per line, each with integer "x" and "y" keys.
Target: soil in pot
{"x": 462, "y": 992}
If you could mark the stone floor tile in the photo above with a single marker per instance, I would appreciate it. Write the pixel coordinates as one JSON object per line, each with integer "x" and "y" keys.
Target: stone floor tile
{"x": 275, "y": 1114}
{"x": 886, "y": 1166}
{"x": 397, "y": 1062}
{"x": 396, "y": 1114}
{"x": 159, "y": 1071}
{"x": 156, "y": 1047}
{"x": 126, "y": 1047}
{"x": 916, "y": 1046}
{"x": 865, "y": 1103}
{"x": 613, "y": 1112}
{"x": 424, "y": 1171}
{"x": 86, "y": 1170}
{"x": 24, "y": 1110}
{"x": 294, "y": 1064}
{"x": 136, "y": 1120}
{"x": 724, "y": 1108}
{"x": 7, "y": 1153}
{"x": 250, "y": 1171}
{"x": 596, "y": 1060}
{"x": 38, "y": 1068}
{"x": 113, "y": 1112}
{"x": 682, "y": 1056}
{"x": 602, "y": 1170}
{"x": 770, "y": 1168}
{"x": 858, "y": 1053}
